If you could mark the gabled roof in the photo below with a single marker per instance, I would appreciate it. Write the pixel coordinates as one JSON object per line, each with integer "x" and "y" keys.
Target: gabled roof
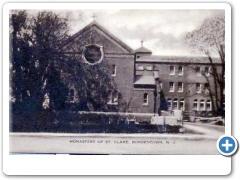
{"x": 105, "y": 31}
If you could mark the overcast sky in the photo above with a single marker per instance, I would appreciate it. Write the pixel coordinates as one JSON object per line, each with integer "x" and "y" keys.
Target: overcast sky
{"x": 163, "y": 31}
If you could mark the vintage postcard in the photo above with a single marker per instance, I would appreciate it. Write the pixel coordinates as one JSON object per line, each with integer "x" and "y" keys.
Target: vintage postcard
{"x": 129, "y": 81}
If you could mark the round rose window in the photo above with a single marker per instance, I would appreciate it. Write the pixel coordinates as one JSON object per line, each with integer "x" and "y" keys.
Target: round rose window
{"x": 93, "y": 54}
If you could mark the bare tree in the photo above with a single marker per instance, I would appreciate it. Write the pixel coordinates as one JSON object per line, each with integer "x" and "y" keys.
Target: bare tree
{"x": 209, "y": 40}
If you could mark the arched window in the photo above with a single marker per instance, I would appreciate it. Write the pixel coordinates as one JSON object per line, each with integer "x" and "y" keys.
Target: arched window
{"x": 169, "y": 102}
{"x": 175, "y": 104}
{"x": 145, "y": 98}
{"x": 181, "y": 104}
{"x": 71, "y": 95}
{"x": 195, "y": 104}
{"x": 202, "y": 105}
{"x": 209, "y": 105}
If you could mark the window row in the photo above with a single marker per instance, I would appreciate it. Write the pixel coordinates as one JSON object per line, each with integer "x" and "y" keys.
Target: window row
{"x": 145, "y": 67}
{"x": 202, "y": 88}
{"x": 200, "y": 71}
{"x": 179, "y": 70}
{"x": 202, "y": 105}
{"x": 112, "y": 96}
{"x": 173, "y": 70}
{"x": 176, "y": 104}
{"x": 172, "y": 87}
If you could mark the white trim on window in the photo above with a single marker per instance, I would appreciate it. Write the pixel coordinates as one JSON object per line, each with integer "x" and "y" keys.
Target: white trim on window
{"x": 182, "y": 104}
{"x": 195, "y": 104}
{"x": 207, "y": 71}
{"x": 171, "y": 87}
{"x": 175, "y": 104}
{"x": 114, "y": 70}
{"x": 140, "y": 67}
{"x": 172, "y": 70}
{"x": 149, "y": 67}
{"x": 180, "y": 86}
{"x": 180, "y": 70}
{"x": 209, "y": 105}
{"x": 198, "y": 87}
{"x": 202, "y": 105}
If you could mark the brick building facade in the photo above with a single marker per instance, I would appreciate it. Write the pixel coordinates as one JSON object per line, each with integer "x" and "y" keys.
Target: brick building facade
{"x": 186, "y": 82}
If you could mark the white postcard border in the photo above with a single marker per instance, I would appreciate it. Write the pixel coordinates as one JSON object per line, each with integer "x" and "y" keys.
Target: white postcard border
{"x": 113, "y": 165}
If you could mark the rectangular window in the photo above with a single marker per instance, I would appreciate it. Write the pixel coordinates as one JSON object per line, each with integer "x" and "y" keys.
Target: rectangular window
{"x": 206, "y": 88}
{"x": 140, "y": 67}
{"x": 207, "y": 71}
{"x": 180, "y": 87}
{"x": 145, "y": 99}
{"x": 114, "y": 70}
{"x": 198, "y": 71}
{"x": 171, "y": 88}
{"x": 149, "y": 67}
{"x": 198, "y": 87}
{"x": 180, "y": 70}
{"x": 172, "y": 70}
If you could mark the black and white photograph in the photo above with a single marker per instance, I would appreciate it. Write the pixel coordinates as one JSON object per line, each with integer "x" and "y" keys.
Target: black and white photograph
{"x": 116, "y": 81}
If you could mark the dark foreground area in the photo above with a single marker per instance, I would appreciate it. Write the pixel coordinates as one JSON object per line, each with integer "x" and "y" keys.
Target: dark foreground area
{"x": 74, "y": 122}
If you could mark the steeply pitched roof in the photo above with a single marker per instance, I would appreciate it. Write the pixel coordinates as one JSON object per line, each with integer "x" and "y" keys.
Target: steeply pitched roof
{"x": 105, "y": 31}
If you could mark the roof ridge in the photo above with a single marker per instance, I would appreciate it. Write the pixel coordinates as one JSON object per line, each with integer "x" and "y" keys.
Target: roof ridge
{"x": 95, "y": 23}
